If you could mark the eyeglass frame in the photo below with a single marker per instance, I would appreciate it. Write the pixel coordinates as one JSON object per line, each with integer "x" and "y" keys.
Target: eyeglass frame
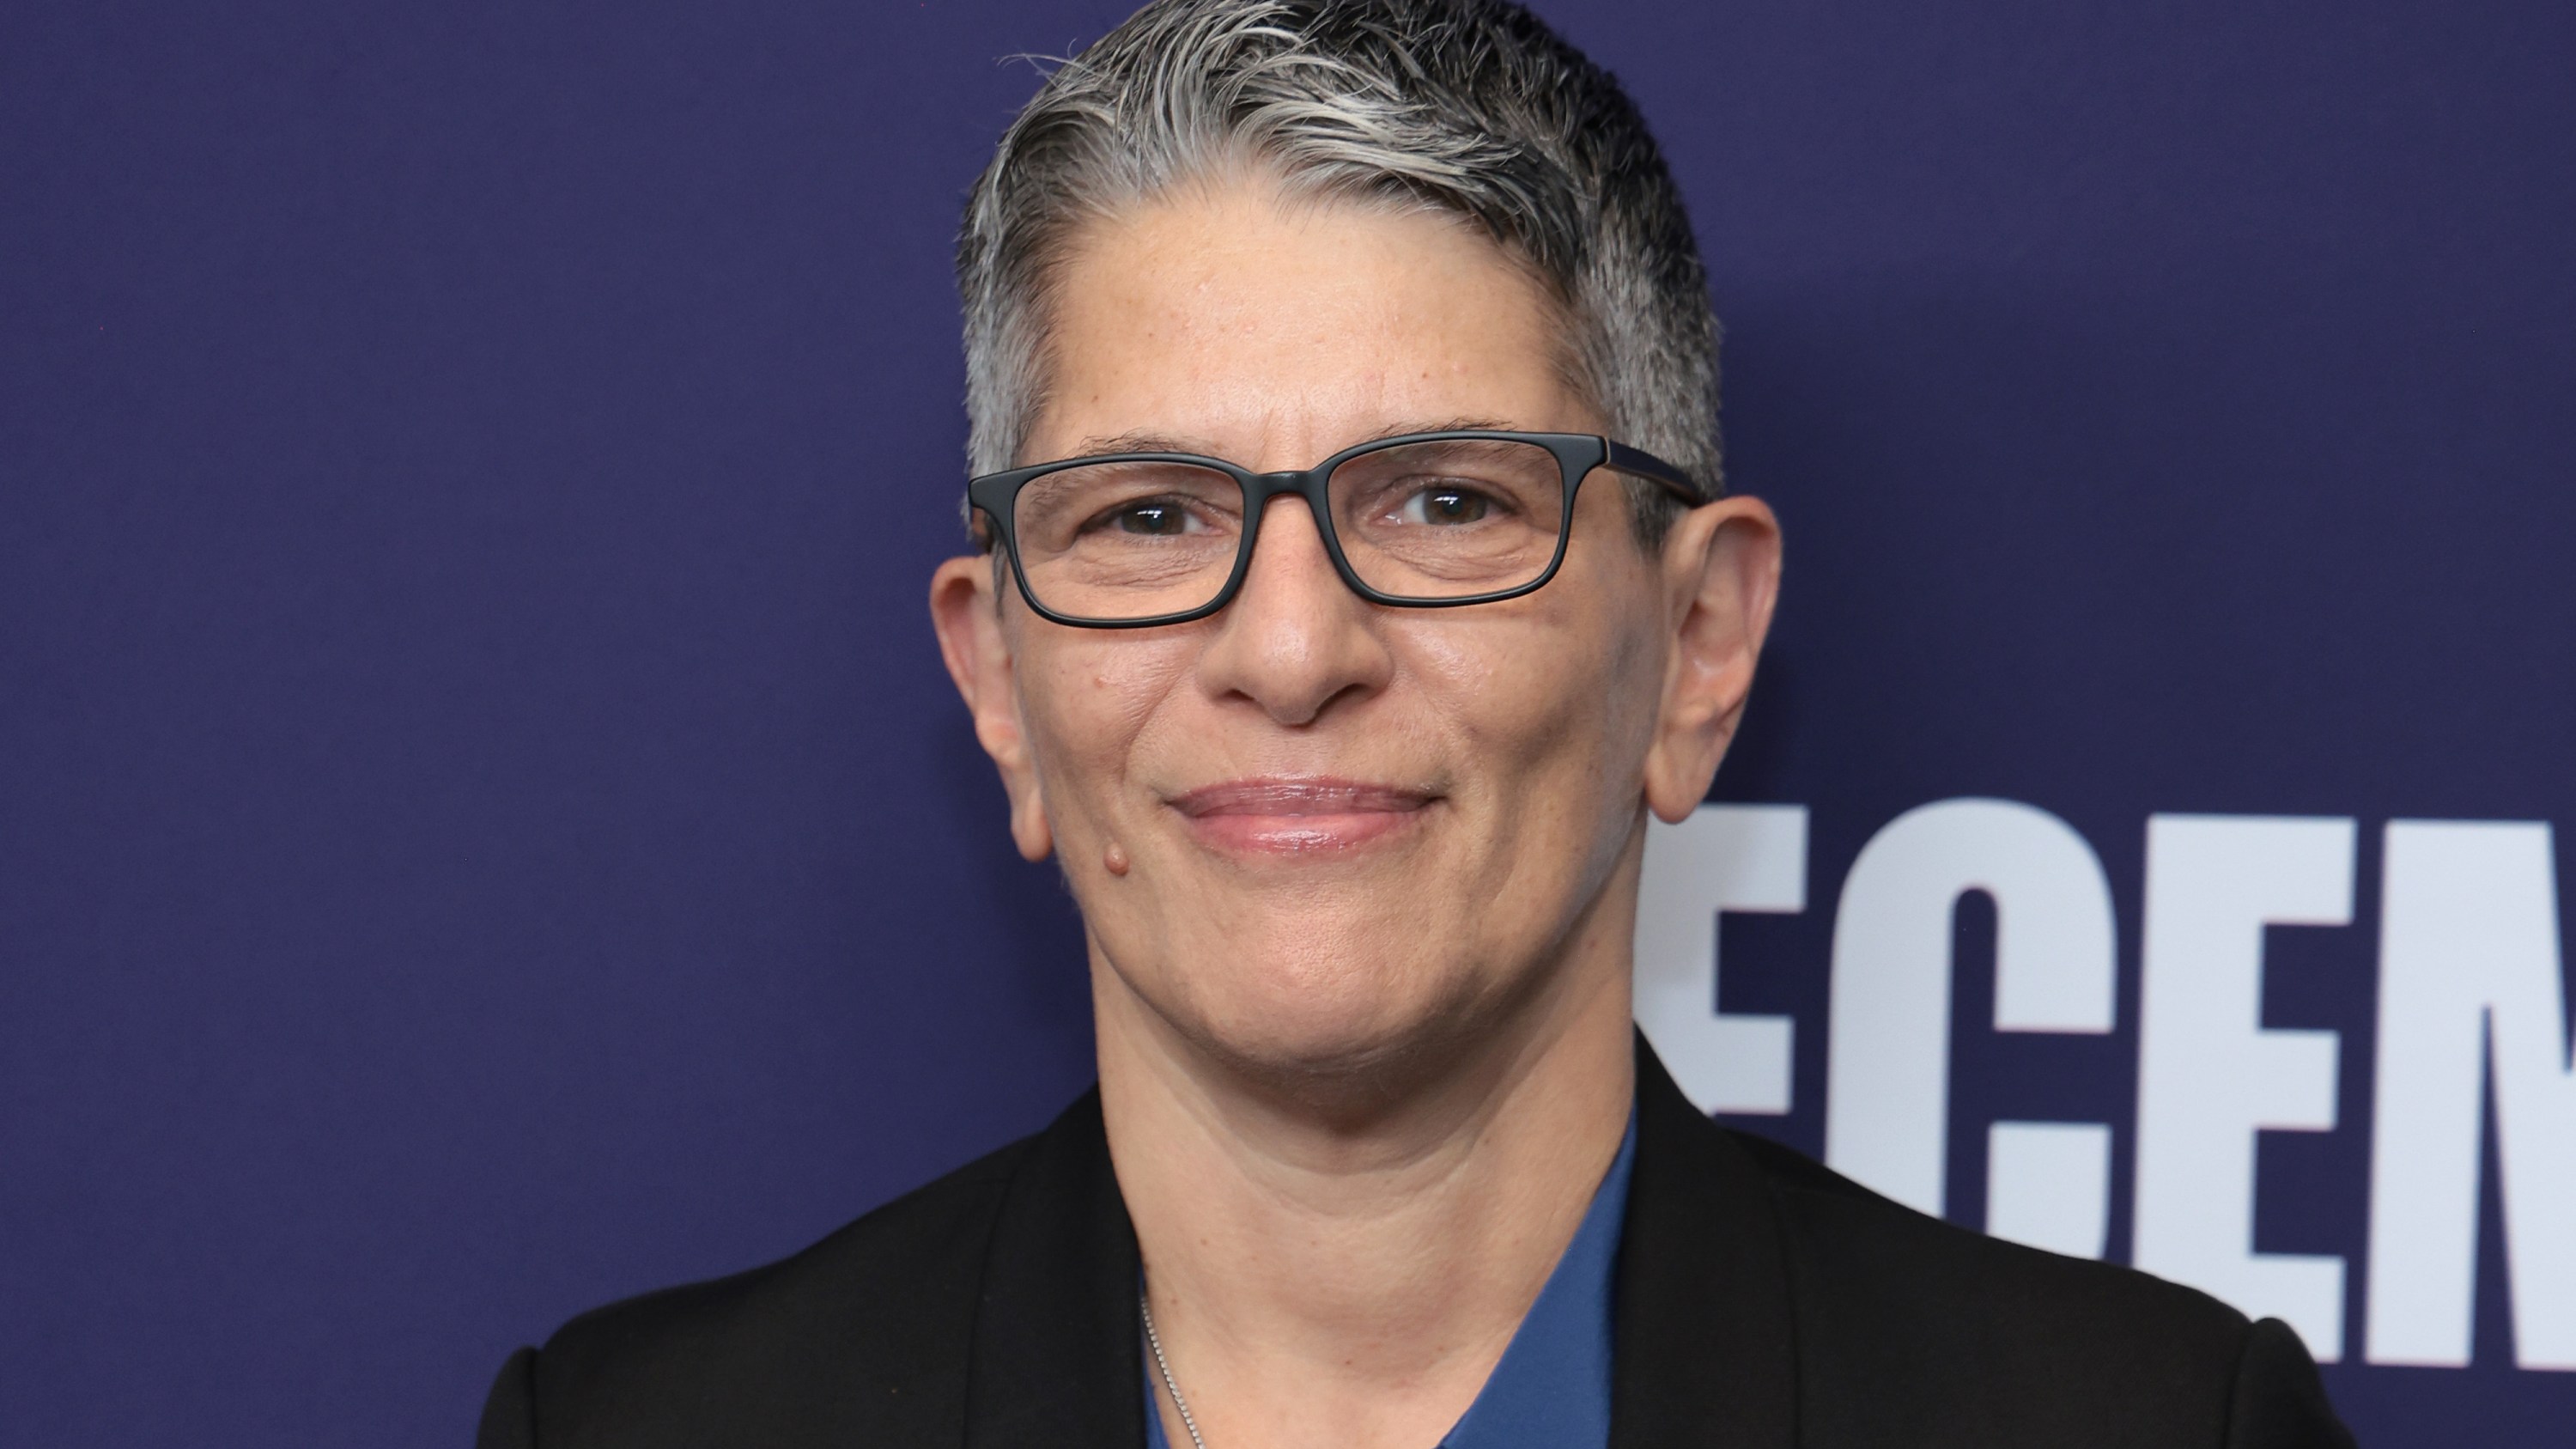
{"x": 996, "y": 496}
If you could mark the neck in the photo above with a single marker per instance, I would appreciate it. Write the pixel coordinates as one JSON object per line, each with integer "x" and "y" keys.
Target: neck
{"x": 1345, "y": 1265}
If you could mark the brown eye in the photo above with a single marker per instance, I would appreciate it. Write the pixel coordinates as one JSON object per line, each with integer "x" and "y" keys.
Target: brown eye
{"x": 1445, "y": 505}
{"x": 1152, "y": 518}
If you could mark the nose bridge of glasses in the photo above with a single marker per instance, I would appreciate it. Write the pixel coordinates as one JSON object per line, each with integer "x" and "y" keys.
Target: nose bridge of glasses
{"x": 1266, "y": 486}
{"x": 1262, "y": 489}
{"x": 1314, "y": 544}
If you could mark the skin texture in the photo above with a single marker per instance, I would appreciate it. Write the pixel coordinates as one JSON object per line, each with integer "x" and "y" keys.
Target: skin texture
{"x": 1359, "y": 883}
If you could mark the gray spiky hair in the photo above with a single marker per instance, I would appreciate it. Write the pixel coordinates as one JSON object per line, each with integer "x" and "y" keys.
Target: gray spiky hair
{"x": 1472, "y": 107}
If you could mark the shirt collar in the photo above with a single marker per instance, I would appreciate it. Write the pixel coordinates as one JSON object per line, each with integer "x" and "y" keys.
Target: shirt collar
{"x": 1551, "y": 1389}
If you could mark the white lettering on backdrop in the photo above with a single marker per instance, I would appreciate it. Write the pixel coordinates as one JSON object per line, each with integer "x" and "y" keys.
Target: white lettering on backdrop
{"x": 2210, "y": 1075}
{"x": 2470, "y": 999}
{"x": 1887, "y": 1087}
{"x": 1723, "y": 858}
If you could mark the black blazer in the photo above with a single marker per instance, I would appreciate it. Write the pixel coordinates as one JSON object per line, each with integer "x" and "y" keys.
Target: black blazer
{"x": 1762, "y": 1302}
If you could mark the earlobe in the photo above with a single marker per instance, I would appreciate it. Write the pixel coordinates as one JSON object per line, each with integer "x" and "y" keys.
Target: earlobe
{"x": 1722, "y": 566}
{"x": 964, "y": 612}
{"x": 1029, "y": 828}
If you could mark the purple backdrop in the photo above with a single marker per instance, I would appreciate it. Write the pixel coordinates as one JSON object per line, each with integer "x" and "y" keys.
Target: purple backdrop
{"x": 483, "y": 828}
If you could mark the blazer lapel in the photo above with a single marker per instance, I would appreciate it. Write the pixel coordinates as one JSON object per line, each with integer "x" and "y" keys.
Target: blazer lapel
{"x": 1703, "y": 1344}
{"x": 1056, "y": 1357}
{"x": 1704, "y": 1351}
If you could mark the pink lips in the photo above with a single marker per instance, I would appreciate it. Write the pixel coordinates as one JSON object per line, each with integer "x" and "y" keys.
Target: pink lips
{"x": 1298, "y": 815}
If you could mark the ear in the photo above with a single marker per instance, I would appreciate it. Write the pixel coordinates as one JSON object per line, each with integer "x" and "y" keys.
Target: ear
{"x": 965, "y": 609}
{"x": 1721, "y": 574}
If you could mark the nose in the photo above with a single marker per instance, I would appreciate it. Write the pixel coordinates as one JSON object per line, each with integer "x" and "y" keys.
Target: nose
{"x": 1295, "y": 639}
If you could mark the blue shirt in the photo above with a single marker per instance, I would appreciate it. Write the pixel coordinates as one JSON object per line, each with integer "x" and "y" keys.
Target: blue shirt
{"x": 1551, "y": 1390}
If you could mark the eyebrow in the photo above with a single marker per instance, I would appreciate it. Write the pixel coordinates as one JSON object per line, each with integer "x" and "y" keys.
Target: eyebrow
{"x": 1151, "y": 442}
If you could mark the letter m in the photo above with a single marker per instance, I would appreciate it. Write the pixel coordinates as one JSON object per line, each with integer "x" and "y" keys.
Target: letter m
{"x": 2470, "y": 993}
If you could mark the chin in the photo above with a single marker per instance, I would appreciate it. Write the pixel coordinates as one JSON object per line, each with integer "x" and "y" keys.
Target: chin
{"x": 1316, "y": 1045}
{"x": 1332, "y": 1020}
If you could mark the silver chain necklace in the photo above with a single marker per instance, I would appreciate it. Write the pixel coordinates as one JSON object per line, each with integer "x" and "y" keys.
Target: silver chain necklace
{"x": 1154, "y": 1341}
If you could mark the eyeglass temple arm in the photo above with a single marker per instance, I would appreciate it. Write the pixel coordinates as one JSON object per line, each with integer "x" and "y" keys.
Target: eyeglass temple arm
{"x": 1637, "y": 463}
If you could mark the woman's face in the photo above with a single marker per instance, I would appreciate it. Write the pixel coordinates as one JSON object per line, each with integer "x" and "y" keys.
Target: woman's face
{"x": 1309, "y": 831}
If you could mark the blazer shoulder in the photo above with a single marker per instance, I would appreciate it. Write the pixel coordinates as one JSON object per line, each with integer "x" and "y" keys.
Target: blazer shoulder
{"x": 1969, "y": 1339}
{"x": 865, "y": 1331}
{"x": 1850, "y": 1232}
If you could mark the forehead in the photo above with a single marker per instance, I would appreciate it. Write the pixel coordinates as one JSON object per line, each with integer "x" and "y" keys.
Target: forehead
{"x": 1241, "y": 321}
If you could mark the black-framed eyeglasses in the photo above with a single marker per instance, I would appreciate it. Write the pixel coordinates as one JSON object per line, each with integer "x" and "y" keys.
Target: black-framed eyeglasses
{"x": 1423, "y": 520}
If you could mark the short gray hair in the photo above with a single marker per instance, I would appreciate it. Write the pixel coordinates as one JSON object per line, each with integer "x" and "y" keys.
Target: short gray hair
{"x": 1472, "y": 107}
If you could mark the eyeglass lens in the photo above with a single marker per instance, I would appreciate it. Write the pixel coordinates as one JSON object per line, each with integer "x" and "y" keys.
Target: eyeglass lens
{"x": 1429, "y": 520}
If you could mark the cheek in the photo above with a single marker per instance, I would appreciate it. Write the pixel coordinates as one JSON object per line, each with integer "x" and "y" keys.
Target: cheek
{"x": 1566, "y": 683}
{"x": 1554, "y": 720}
{"x": 1086, "y": 696}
